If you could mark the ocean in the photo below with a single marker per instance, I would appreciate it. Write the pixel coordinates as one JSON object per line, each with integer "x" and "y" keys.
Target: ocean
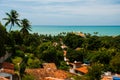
{"x": 56, "y": 29}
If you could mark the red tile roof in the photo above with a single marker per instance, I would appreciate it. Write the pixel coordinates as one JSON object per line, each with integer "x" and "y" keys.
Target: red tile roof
{"x": 49, "y": 66}
{"x": 7, "y": 67}
{"x": 83, "y": 69}
{"x": 2, "y": 78}
{"x": 8, "y": 71}
{"x": 48, "y": 70}
{"x": 40, "y": 74}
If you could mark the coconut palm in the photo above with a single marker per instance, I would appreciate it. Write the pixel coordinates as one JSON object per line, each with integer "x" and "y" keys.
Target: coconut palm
{"x": 12, "y": 19}
{"x": 26, "y": 27}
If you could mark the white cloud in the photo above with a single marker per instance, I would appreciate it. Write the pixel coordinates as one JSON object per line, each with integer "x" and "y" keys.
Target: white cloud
{"x": 73, "y": 9}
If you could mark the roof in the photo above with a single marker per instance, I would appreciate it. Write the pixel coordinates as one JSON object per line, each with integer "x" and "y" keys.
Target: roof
{"x": 7, "y": 71}
{"x": 50, "y": 78}
{"x": 7, "y": 65}
{"x": 41, "y": 73}
{"x": 65, "y": 52}
{"x": 83, "y": 69}
{"x": 2, "y": 78}
{"x": 48, "y": 70}
{"x": 49, "y": 66}
{"x": 107, "y": 78}
{"x": 7, "y": 68}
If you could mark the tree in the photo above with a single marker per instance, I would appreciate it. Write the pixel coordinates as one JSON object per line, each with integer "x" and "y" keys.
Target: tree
{"x": 94, "y": 43}
{"x": 3, "y": 36}
{"x": 12, "y": 19}
{"x": 73, "y": 41}
{"x": 49, "y": 53}
{"x": 26, "y": 27}
{"x": 74, "y": 55}
{"x": 95, "y": 71}
{"x": 115, "y": 63}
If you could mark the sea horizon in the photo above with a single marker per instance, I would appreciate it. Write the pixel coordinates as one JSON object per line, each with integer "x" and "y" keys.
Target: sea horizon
{"x": 103, "y": 30}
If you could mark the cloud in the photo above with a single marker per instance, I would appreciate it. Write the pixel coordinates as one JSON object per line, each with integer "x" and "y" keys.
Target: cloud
{"x": 61, "y": 9}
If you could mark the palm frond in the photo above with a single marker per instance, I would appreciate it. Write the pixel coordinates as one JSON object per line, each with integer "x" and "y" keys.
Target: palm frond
{"x": 6, "y": 18}
{"x": 7, "y": 23}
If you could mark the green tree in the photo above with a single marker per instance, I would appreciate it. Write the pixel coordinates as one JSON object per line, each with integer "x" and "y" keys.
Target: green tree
{"x": 74, "y": 55}
{"x": 49, "y": 53}
{"x": 94, "y": 43}
{"x": 73, "y": 41}
{"x": 28, "y": 77}
{"x": 115, "y": 63}
{"x": 3, "y": 37}
{"x": 25, "y": 26}
{"x": 95, "y": 71}
{"x": 12, "y": 19}
{"x": 101, "y": 56}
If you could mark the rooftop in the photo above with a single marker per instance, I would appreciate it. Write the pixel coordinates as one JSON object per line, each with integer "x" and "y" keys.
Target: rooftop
{"x": 83, "y": 69}
{"x": 48, "y": 72}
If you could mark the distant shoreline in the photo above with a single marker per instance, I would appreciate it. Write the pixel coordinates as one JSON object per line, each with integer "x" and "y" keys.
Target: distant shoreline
{"x": 57, "y": 29}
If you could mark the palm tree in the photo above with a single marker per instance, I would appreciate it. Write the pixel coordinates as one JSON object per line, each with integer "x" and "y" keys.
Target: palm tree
{"x": 12, "y": 18}
{"x": 26, "y": 27}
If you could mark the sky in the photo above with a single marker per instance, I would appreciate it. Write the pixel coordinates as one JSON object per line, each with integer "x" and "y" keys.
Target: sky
{"x": 64, "y": 12}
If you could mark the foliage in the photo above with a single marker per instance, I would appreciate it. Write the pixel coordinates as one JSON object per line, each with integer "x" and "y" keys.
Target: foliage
{"x": 33, "y": 62}
{"x": 74, "y": 55}
{"x": 16, "y": 61}
{"x": 28, "y": 77}
{"x": 73, "y": 41}
{"x": 63, "y": 66}
{"x": 94, "y": 43}
{"x": 115, "y": 63}
{"x": 25, "y": 25}
{"x": 101, "y": 56}
{"x": 3, "y": 37}
{"x": 95, "y": 71}
{"x": 12, "y": 18}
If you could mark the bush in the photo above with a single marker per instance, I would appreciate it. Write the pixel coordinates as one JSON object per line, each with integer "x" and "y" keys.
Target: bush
{"x": 28, "y": 77}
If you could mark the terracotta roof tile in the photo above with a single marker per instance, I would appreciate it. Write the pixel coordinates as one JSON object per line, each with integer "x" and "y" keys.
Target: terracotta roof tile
{"x": 7, "y": 65}
{"x": 2, "y": 78}
{"x": 8, "y": 71}
{"x": 49, "y": 66}
{"x": 83, "y": 69}
{"x": 107, "y": 78}
{"x": 40, "y": 74}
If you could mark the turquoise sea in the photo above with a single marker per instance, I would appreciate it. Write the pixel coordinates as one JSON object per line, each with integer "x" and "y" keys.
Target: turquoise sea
{"x": 56, "y": 29}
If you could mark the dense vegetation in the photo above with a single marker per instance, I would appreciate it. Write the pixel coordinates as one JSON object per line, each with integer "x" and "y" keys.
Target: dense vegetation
{"x": 31, "y": 50}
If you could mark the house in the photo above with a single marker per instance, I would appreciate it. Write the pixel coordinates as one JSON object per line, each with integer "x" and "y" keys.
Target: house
{"x": 48, "y": 72}
{"x": 78, "y": 68}
{"x": 7, "y": 70}
{"x": 73, "y": 66}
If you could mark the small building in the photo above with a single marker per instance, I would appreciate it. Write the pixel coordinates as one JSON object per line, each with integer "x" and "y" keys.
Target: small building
{"x": 74, "y": 65}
